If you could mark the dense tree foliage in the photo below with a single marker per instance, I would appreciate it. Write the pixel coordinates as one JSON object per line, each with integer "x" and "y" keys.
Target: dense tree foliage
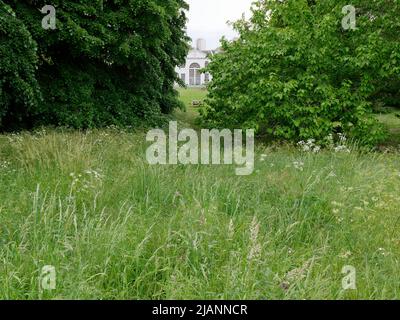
{"x": 297, "y": 73}
{"x": 107, "y": 62}
{"x": 19, "y": 90}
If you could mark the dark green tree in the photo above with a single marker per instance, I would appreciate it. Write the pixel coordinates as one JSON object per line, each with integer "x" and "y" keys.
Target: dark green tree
{"x": 19, "y": 89}
{"x": 107, "y": 62}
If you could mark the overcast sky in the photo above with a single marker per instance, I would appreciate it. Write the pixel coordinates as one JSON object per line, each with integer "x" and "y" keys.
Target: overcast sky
{"x": 207, "y": 19}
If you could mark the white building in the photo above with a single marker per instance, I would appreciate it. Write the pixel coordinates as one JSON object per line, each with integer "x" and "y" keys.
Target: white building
{"x": 197, "y": 59}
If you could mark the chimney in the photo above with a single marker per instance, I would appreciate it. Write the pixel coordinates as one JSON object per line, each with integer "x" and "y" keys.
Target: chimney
{"x": 201, "y": 44}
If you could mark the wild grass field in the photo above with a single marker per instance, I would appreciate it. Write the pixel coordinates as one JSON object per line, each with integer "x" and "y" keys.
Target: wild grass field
{"x": 115, "y": 227}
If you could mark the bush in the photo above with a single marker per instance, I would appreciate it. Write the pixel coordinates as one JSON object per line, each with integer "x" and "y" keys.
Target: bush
{"x": 106, "y": 63}
{"x": 295, "y": 73}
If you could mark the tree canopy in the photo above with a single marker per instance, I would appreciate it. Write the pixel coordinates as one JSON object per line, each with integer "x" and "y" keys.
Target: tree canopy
{"x": 107, "y": 62}
{"x": 297, "y": 74}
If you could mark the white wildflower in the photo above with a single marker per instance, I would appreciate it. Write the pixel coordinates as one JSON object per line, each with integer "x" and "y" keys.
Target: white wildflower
{"x": 317, "y": 149}
{"x": 309, "y": 146}
{"x": 263, "y": 157}
{"x": 342, "y": 148}
{"x": 299, "y": 165}
{"x": 383, "y": 252}
{"x": 345, "y": 255}
{"x": 5, "y": 164}
{"x": 95, "y": 174}
{"x": 342, "y": 137}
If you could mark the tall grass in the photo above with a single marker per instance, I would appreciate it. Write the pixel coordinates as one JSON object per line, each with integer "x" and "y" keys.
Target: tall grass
{"x": 116, "y": 228}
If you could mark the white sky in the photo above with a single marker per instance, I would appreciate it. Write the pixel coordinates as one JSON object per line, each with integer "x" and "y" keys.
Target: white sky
{"x": 207, "y": 19}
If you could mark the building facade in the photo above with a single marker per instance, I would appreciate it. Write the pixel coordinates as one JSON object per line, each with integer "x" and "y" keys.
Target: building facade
{"x": 197, "y": 59}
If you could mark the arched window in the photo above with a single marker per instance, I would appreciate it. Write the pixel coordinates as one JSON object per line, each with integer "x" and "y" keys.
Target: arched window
{"x": 194, "y": 74}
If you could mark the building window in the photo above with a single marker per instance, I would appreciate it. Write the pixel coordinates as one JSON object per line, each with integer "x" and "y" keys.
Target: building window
{"x": 206, "y": 75}
{"x": 183, "y": 77}
{"x": 194, "y": 74}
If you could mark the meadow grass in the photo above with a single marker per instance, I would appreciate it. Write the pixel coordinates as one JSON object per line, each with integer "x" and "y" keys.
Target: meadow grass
{"x": 188, "y": 117}
{"x": 115, "y": 227}
{"x": 188, "y": 95}
{"x": 392, "y": 123}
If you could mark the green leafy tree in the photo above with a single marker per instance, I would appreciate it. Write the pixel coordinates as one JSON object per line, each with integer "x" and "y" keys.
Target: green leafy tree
{"x": 19, "y": 89}
{"x": 107, "y": 62}
{"x": 297, "y": 74}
